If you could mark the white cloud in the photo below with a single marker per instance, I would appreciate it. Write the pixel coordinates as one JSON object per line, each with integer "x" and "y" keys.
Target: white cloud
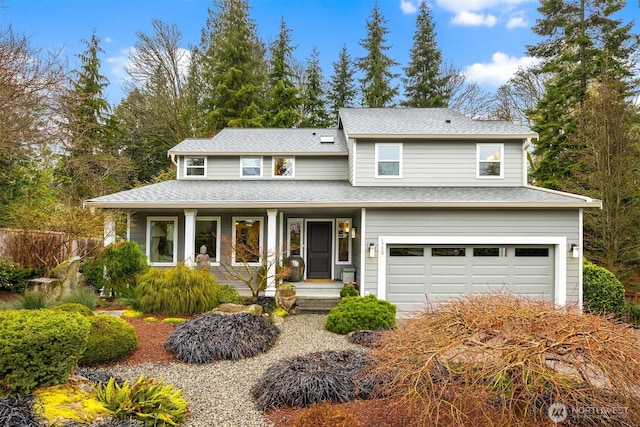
{"x": 108, "y": 39}
{"x": 501, "y": 68}
{"x": 516, "y": 22}
{"x": 117, "y": 66}
{"x": 477, "y": 5}
{"x": 474, "y": 19}
{"x": 409, "y": 6}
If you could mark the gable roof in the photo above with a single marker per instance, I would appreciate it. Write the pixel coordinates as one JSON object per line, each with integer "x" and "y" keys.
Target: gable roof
{"x": 237, "y": 141}
{"x": 424, "y": 123}
{"x": 323, "y": 194}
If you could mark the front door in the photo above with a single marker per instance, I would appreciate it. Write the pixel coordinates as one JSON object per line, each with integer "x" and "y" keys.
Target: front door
{"x": 319, "y": 250}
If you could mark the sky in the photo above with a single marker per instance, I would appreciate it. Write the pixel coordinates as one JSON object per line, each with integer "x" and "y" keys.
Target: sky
{"x": 486, "y": 39}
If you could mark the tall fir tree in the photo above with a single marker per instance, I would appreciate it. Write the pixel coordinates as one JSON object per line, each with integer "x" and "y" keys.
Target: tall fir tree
{"x": 92, "y": 165}
{"x": 342, "y": 87}
{"x": 376, "y": 83}
{"x": 228, "y": 71}
{"x": 314, "y": 97}
{"x": 582, "y": 37}
{"x": 284, "y": 97}
{"x": 424, "y": 84}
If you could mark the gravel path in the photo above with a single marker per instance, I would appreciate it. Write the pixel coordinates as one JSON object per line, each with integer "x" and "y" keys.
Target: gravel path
{"x": 218, "y": 393}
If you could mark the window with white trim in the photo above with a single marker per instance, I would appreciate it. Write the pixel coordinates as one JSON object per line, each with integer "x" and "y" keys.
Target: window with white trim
{"x": 388, "y": 160}
{"x": 283, "y": 167}
{"x": 162, "y": 238}
{"x": 208, "y": 234}
{"x": 343, "y": 248}
{"x": 195, "y": 166}
{"x": 490, "y": 160}
{"x": 247, "y": 238}
{"x": 294, "y": 236}
{"x": 251, "y": 167}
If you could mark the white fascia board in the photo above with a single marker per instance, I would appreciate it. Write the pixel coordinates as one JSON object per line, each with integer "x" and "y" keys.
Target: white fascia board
{"x": 560, "y": 261}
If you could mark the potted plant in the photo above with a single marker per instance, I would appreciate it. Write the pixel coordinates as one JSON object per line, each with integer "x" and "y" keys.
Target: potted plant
{"x": 286, "y": 296}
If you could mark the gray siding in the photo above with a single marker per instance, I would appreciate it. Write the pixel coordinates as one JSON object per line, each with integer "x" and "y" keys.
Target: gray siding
{"x": 443, "y": 222}
{"x": 439, "y": 163}
{"x": 306, "y": 168}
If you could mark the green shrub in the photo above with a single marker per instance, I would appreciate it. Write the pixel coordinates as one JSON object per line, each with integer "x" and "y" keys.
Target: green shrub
{"x": 14, "y": 278}
{"x": 73, "y": 307}
{"x": 603, "y": 292}
{"x": 116, "y": 268}
{"x": 39, "y": 347}
{"x": 177, "y": 290}
{"x": 31, "y": 300}
{"x": 228, "y": 294}
{"x": 110, "y": 338}
{"x": 147, "y": 400}
{"x": 360, "y": 313}
{"x": 82, "y": 295}
{"x": 349, "y": 291}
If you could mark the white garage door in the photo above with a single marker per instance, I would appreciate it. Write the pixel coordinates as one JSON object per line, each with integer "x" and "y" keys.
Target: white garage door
{"x": 420, "y": 273}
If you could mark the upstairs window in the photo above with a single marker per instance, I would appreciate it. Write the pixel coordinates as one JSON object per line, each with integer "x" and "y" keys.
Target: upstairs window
{"x": 283, "y": 167}
{"x": 490, "y": 160}
{"x": 388, "y": 160}
{"x": 251, "y": 167}
{"x": 195, "y": 166}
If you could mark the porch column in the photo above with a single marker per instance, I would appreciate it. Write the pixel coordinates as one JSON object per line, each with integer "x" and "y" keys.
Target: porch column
{"x": 109, "y": 228}
{"x": 271, "y": 252}
{"x": 190, "y": 237}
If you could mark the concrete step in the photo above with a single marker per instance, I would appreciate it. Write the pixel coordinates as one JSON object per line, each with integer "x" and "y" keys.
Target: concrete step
{"x": 315, "y": 304}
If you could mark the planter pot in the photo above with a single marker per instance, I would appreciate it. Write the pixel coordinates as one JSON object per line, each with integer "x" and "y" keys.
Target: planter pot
{"x": 296, "y": 264}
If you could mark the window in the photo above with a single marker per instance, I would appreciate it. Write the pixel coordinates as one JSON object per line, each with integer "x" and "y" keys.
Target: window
{"x": 283, "y": 167}
{"x": 195, "y": 166}
{"x": 295, "y": 236}
{"x": 483, "y": 252}
{"x": 208, "y": 234}
{"x": 247, "y": 235}
{"x": 532, "y": 252}
{"x": 407, "y": 251}
{"x": 162, "y": 235}
{"x": 447, "y": 251}
{"x": 251, "y": 167}
{"x": 388, "y": 160}
{"x": 490, "y": 160}
{"x": 344, "y": 241}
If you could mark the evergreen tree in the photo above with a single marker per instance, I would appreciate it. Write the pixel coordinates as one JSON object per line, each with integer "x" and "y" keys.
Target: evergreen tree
{"x": 581, "y": 39}
{"x": 342, "y": 88}
{"x": 92, "y": 165}
{"x": 313, "y": 100}
{"x": 376, "y": 83}
{"x": 228, "y": 78}
{"x": 284, "y": 97}
{"x": 424, "y": 85}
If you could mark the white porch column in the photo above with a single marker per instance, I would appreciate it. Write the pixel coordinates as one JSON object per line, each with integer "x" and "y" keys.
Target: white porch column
{"x": 271, "y": 252}
{"x": 109, "y": 228}
{"x": 190, "y": 237}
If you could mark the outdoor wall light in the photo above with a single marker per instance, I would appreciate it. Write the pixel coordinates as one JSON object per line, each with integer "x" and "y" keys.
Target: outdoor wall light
{"x": 372, "y": 250}
{"x": 353, "y": 232}
{"x": 575, "y": 250}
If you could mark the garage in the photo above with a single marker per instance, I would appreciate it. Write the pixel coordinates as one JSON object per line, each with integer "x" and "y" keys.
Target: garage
{"x": 416, "y": 274}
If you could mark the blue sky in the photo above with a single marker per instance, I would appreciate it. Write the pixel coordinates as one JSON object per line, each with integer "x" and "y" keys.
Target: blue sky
{"x": 485, "y": 38}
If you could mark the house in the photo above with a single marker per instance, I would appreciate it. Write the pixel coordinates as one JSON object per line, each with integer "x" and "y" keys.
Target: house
{"x": 415, "y": 205}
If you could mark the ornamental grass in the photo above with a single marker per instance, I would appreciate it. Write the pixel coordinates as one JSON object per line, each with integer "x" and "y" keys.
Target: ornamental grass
{"x": 505, "y": 361}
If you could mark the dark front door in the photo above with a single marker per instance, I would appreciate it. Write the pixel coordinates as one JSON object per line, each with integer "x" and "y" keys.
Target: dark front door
{"x": 319, "y": 250}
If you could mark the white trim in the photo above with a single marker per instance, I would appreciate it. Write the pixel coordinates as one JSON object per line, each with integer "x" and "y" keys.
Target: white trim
{"x": 363, "y": 232}
{"x": 354, "y": 161}
{"x": 175, "y": 240}
{"x": 400, "y": 151}
{"x": 242, "y": 175}
{"x": 189, "y": 237}
{"x": 580, "y": 259}
{"x": 501, "y": 161}
{"x": 288, "y": 242}
{"x": 293, "y": 166}
{"x": 260, "y": 237}
{"x": 128, "y": 226}
{"x": 109, "y": 229}
{"x": 272, "y": 247}
{"x": 218, "y": 235}
{"x": 186, "y": 167}
{"x": 560, "y": 242}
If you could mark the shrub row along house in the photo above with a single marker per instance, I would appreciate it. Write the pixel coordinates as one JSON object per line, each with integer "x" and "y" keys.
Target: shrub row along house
{"x": 421, "y": 203}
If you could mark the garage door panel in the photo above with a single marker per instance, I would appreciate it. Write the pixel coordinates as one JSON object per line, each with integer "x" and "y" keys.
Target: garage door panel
{"x": 409, "y": 278}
